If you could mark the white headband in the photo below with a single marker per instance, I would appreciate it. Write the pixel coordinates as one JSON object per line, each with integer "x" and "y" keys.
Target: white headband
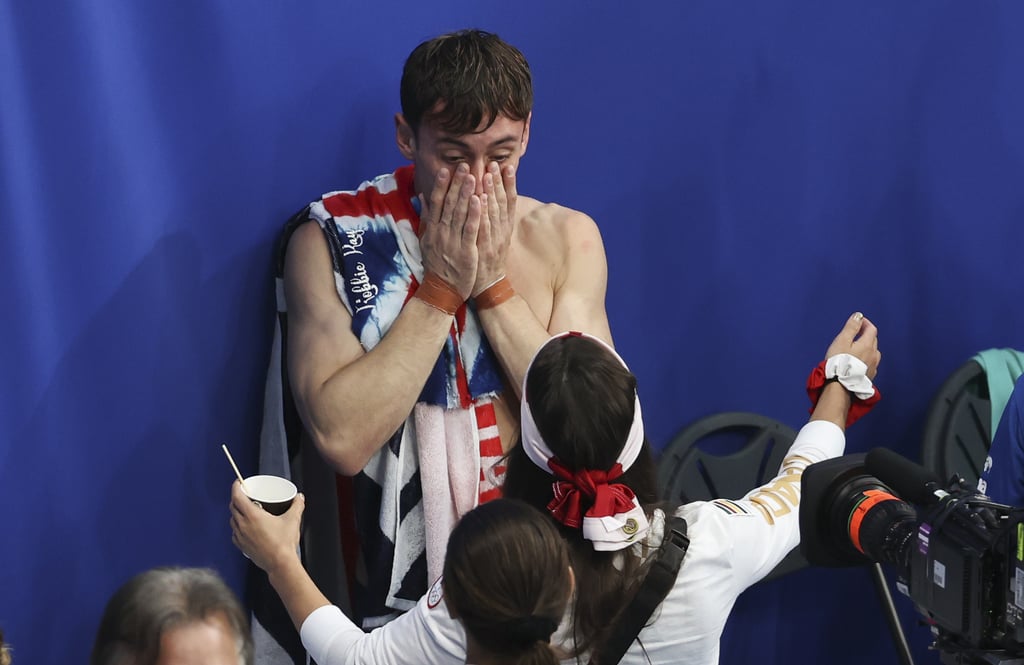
{"x": 533, "y": 442}
{"x": 608, "y": 532}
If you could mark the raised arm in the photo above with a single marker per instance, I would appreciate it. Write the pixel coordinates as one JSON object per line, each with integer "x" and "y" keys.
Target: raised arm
{"x": 571, "y": 242}
{"x": 771, "y": 528}
{"x": 352, "y": 401}
{"x": 427, "y": 633}
{"x": 858, "y": 338}
{"x": 272, "y": 543}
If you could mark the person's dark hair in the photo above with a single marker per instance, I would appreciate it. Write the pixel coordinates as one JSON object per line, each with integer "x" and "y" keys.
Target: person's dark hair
{"x": 5, "y": 650}
{"x": 473, "y": 75}
{"x": 582, "y": 401}
{"x": 155, "y": 601}
{"x": 506, "y": 577}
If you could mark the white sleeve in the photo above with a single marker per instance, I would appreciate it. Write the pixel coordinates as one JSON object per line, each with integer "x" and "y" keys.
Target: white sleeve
{"x": 323, "y": 627}
{"x": 423, "y": 634}
{"x": 764, "y": 525}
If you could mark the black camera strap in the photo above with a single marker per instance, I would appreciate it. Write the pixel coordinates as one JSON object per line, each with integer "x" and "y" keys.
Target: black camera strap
{"x": 661, "y": 576}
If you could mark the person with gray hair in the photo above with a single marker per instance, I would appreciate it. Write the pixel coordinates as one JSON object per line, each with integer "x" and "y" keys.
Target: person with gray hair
{"x": 5, "y": 650}
{"x": 184, "y": 616}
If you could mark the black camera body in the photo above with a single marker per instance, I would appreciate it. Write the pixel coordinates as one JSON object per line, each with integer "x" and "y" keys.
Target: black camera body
{"x": 958, "y": 555}
{"x": 969, "y": 585}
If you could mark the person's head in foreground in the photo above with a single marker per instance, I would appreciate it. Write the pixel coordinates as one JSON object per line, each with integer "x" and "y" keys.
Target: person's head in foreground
{"x": 507, "y": 579}
{"x": 5, "y": 651}
{"x": 173, "y": 616}
{"x": 466, "y": 98}
{"x": 582, "y": 428}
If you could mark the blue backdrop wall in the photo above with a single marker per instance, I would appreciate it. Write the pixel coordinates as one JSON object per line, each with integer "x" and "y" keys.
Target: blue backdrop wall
{"x": 758, "y": 171}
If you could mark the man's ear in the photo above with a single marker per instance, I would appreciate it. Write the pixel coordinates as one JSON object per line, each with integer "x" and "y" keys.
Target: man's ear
{"x": 526, "y": 135}
{"x": 405, "y": 137}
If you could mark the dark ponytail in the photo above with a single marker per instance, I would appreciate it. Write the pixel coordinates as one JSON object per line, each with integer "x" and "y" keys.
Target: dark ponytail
{"x": 582, "y": 401}
{"x": 538, "y": 654}
{"x": 506, "y": 577}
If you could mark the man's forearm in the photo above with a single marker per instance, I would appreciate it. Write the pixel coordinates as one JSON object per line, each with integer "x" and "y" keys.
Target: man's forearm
{"x": 515, "y": 334}
{"x": 361, "y": 405}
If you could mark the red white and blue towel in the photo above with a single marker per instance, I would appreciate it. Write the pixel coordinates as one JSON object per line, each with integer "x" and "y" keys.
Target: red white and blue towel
{"x": 444, "y": 459}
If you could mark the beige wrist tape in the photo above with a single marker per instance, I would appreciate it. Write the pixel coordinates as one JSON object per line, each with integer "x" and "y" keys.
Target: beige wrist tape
{"x": 439, "y": 294}
{"x": 495, "y": 294}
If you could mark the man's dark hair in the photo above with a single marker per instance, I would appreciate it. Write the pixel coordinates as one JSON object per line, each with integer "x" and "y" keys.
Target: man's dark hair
{"x": 158, "y": 600}
{"x": 462, "y": 79}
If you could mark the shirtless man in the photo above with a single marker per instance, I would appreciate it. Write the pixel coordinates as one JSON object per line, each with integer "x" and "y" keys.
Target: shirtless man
{"x": 528, "y": 268}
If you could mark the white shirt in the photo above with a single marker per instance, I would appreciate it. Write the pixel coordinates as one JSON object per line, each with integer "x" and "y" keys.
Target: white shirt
{"x": 733, "y": 544}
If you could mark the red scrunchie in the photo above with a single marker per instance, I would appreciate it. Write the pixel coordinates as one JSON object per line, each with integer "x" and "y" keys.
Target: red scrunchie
{"x": 858, "y": 407}
{"x": 607, "y": 498}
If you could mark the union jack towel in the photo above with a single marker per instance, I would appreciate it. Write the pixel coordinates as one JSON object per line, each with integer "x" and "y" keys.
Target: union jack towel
{"x": 403, "y": 512}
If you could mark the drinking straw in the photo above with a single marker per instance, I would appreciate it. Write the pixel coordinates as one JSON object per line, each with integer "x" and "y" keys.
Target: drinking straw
{"x": 224, "y": 446}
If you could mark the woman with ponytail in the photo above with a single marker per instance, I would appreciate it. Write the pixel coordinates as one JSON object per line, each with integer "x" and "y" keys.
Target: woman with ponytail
{"x": 505, "y": 590}
{"x": 588, "y": 455}
{"x": 507, "y": 579}
{"x": 583, "y": 460}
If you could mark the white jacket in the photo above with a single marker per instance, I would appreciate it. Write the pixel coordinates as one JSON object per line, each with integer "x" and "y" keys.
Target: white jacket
{"x": 733, "y": 544}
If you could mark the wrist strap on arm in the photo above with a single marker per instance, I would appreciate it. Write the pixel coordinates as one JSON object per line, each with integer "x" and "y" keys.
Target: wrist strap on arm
{"x": 661, "y": 576}
{"x": 830, "y": 371}
{"x": 496, "y": 293}
{"x": 439, "y": 294}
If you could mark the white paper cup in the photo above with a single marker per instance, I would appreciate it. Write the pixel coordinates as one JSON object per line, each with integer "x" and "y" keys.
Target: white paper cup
{"x": 272, "y": 493}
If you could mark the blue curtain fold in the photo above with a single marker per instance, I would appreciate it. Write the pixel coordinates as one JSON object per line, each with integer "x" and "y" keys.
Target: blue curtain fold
{"x": 758, "y": 172}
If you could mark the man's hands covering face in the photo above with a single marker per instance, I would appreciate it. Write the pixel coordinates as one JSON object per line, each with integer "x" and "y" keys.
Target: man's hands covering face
{"x": 466, "y": 236}
{"x": 450, "y": 224}
{"x": 496, "y": 227}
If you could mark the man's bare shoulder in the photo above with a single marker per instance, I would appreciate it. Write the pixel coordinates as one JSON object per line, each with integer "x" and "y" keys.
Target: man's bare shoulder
{"x": 305, "y": 242}
{"x": 546, "y": 220}
{"x": 307, "y": 266}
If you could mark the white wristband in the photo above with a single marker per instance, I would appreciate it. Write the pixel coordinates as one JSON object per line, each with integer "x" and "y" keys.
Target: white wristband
{"x": 852, "y": 373}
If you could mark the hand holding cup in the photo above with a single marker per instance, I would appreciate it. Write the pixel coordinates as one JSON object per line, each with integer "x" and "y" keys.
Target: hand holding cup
{"x": 272, "y": 493}
{"x": 267, "y": 538}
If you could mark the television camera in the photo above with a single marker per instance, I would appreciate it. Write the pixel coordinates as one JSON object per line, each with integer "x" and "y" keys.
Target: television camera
{"x": 958, "y": 555}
